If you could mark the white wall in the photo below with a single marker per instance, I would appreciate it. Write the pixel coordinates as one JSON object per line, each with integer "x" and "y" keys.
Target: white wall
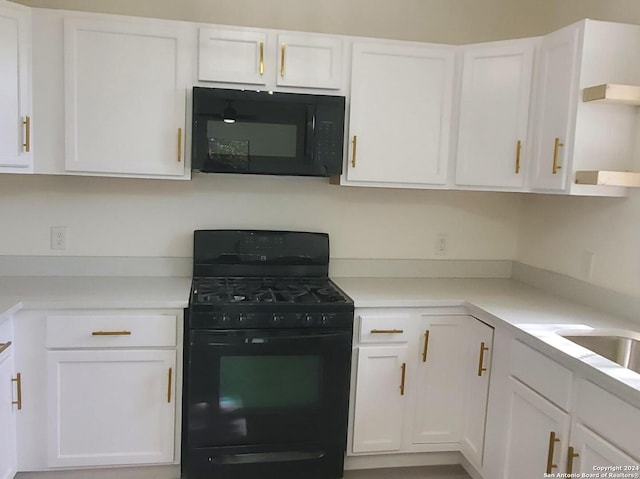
{"x": 129, "y": 217}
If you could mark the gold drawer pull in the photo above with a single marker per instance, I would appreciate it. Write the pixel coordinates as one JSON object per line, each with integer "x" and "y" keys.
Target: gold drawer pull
{"x": 518, "y": 150}
{"x": 572, "y": 454}
{"x": 18, "y": 381}
{"x": 169, "y": 386}
{"x": 426, "y": 346}
{"x": 556, "y": 146}
{"x": 261, "y": 67}
{"x": 387, "y": 331}
{"x": 354, "y": 142}
{"x": 4, "y": 346}
{"x": 481, "y": 367}
{"x": 111, "y": 333}
{"x": 179, "y": 145}
{"x": 552, "y": 445}
{"x": 27, "y": 134}
{"x": 283, "y": 51}
{"x": 404, "y": 372}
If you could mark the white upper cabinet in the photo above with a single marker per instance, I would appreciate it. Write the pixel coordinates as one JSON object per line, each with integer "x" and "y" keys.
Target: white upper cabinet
{"x": 312, "y": 61}
{"x": 15, "y": 89}
{"x": 400, "y": 119}
{"x": 494, "y": 114}
{"x": 270, "y": 59}
{"x": 572, "y": 135}
{"x": 234, "y": 56}
{"x": 125, "y": 95}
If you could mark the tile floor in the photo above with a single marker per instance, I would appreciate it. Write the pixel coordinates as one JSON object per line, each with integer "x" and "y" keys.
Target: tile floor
{"x": 432, "y": 472}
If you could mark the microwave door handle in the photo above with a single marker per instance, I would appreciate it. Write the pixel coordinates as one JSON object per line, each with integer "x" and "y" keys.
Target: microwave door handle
{"x": 311, "y": 134}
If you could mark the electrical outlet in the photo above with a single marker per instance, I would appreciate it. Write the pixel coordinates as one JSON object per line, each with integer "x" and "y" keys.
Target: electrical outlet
{"x": 441, "y": 245}
{"x": 59, "y": 237}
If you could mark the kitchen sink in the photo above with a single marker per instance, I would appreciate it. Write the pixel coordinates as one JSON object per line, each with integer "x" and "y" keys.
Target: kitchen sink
{"x": 622, "y": 347}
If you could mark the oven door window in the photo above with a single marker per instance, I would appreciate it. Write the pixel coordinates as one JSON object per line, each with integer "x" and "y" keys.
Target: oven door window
{"x": 267, "y": 387}
{"x": 270, "y": 382}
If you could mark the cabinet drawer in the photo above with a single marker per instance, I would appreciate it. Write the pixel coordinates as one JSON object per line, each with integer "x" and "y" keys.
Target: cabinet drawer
{"x": 615, "y": 420}
{"x": 384, "y": 328}
{"x": 542, "y": 374}
{"x": 111, "y": 331}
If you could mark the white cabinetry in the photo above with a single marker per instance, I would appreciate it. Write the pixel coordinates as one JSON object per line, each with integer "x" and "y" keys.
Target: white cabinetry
{"x": 412, "y": 374}
{"x": 494, "y": 114}
{"x": 99, "y": 388}
{"x": 125, "y": 95}
{"x": 550, "y": 430}
{"x": 270, "y": 59}
{"x": 400, "y": 116}
{"x": 8, "y": 400}
{"x": 571, "y": 135}
{"x": 15, "y": 89}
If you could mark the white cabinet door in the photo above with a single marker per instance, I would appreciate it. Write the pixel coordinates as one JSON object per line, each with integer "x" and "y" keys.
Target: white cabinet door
{"x": 312, "y": 61}
{"x": 233, "y": 56}
{"x": 593, "y": 451}
{"x": 379, "y": 403}
{"x": 8, "y": 457}
{"x": 530, "y": 422}
{"x": 15, "y": 89}
{"x": 110, "y": 407}
{"x": 439, "y": 381}
{"x": 494, "y": 113}
{"x": 557, "y": 100}
{"x": 477, "y": 374}
{"x": 125, "y": 98}
{"x": 400, "y": 117}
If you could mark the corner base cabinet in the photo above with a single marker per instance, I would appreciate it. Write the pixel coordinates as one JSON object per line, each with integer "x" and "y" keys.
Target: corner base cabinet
{"x": 8, "y": 406}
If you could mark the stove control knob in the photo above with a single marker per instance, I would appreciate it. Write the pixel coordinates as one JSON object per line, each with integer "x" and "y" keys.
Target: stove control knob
{"x": 275, "y": 319}
{"x": 241, "y": 318}
{"x": 225, "y": 319}
{"x": 308, "y": 320}
{"x": 323, "y": 320}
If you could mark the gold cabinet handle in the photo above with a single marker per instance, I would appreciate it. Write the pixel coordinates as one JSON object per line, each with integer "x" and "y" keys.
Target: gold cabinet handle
{"x": 556, "y": 147}
{"x": 4, "y": 346}
{"x": 27, "y": 134}
{"x": 179, "y": 145}
{"x": 387, "y": 331}
{"x": 518, "y": 150}
{"x": 111, "y": 333}
{"x": 169, "y": 385}
{"x": 283, "y": 51}
{"x": 403, "y": 368}
{"x": 18, "y": 381}
{"x": 426, "y": 346}
{"x": 261, "y": 58}
{"x": 570, "y": 458}
{"x": 354, "y": 144}
{"x": 481, "y": 367}
{"x": 552, "y": 444}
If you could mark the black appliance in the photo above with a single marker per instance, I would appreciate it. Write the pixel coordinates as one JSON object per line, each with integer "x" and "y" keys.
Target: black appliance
{"x": 259, "y": 132}
{"x": 267, "y": 358}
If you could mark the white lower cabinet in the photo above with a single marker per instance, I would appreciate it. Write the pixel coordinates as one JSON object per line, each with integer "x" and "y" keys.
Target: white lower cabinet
{"x": 412, "y": 377}
{"x": 591, "y": 453}
{"x": 8, "y": 406}
{"x": 99, "y": 388}
{"x": 110, "y": 407}
{"x": 537, "y": 434}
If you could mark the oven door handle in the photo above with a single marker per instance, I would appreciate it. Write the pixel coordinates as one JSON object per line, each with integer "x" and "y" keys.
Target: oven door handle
{"x": 224, "y": 338}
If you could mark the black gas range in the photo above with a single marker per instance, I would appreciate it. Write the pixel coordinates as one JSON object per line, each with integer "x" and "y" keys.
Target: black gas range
{"x": 267, "y": 358}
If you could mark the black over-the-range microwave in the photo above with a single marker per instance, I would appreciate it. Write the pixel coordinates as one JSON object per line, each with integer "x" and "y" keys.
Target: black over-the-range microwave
{"x": 270, "y": 133}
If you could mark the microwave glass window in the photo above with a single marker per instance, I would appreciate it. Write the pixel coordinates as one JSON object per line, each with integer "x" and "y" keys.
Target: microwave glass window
{"x": 268, "y": 382}
{"x": 251, "y": 139}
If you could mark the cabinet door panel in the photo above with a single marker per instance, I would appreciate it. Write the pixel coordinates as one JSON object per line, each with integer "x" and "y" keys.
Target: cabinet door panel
{"x": 8, "y": 457}
{"x": 477, "y": 389}
{"x": 379, "y": 403}
{"x": 124, "y": 99}
{"x": 440, "y": 380}
{"x": 556, "y": 109}
{"x": 530, "y": 421}
{"x": 309, "y": 61}
{"x": 593, "y": 451}
{"x": 401, "y": 113}
{"x": 110, "y": 407}
{"x": 233, "y": 56}
{"x": 14, "y": 88}
{"x": 494, "y": 114}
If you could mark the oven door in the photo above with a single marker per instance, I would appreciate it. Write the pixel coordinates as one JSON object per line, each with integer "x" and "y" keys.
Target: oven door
{"x": 263, "y": 387}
